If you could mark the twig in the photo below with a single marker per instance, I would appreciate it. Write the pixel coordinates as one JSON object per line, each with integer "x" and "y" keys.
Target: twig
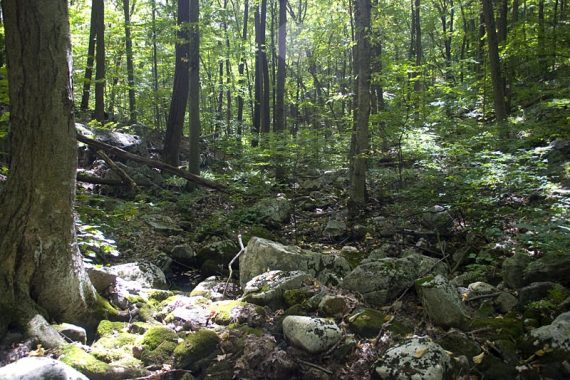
{"x": 231, "y": 262}
{"x": 316, "y": 366}
{"x": 124, "y": 176}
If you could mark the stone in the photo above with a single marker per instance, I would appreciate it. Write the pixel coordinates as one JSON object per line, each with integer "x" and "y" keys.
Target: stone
{"x": 163, "y": 223}
{"x": 367, "y": 323}
{"x": 459, "y": 343}
{"x": 334, "y": 306}
{"x": 216, "y": 254}
{"x": 268, "y": 288}
{"x": 33, "y": 368}
{"x": 556, "y": 334}
{"x": 441, "y": 301}
{"x": 480, "y": 288}
{"x": 382, "y": 281}
{"x": 551, "y": 267}
{"x": 211, "y": 288}
{"x": 183, "y": 254}
{"x": 72, "y": 332}
{"x": 263, "y": 255}
{"x": 185, "y": 312}
{"x": 193, "y": 353}
{"x": 415, "y": 358}
{"x": 535, "y": 292}
{"x": 464, "y": 279}
{"x": 513, "y": 270}
{"x": 506, "y": 302}
{"x": 272, "y": 212}
{"x": 335, "y": 228}
{"x": 437, "y": 219}
{"x": 145, "y": 274}
{"x": 102, "y": 280}
{"x": 310, "y": 334}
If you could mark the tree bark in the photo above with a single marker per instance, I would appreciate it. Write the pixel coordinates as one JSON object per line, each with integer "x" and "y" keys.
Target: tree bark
{"x": 280, "y": 119}
{"x": 194, "y": 102}
{"x": 130, "y": 66}
{"x": 495, "y": 65}
{"x": 42, "y": 270}
{"x": 179, "y": 100}
{"x": 100, "y": 62}
{"x": 155, "y": 66}
{"x": 90, "y": 58}
{"x": 241, "y": 68}
{"x": 360, "y": 139}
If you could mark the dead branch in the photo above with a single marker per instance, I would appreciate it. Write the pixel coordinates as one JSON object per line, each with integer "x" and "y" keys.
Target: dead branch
{"x": 114, "y": 167}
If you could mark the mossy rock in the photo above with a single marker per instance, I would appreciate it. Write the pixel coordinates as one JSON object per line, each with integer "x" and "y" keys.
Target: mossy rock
{"x": 84, "y": 362}
{"x": 500, "y": 328}
{"x": 104, "y": 309}
{"x": 223, "y": 310}
{"x": 139, "y": 327}
{"x": 220, "y": 370}
{"x": 459, "y": 343}
{"x": 107, "y": 327}
{"x": 159, "y": 295}
{"x": 160, "y": 355}
{"x": 367, "y": 322}
{"x": 111, "y": 348}
{"x": 297, "y": 296}
{"x": 195, "y": 350}
{"x": 157, "y": 335}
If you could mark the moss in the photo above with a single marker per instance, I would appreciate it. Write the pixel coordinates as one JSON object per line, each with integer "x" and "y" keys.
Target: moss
{"x": 503, "y": 328}
{"x": 366, "y": 322}
{"x": 223, "y": 310}
{"x": 139, "y": 327}
{"x": 247, "y": 330}
{"x": 159, "y": 295}
{"x": 146, "y": 313}
{"x": 196, "y": 347}
{"x": 297, "y": 296}
{"x": 160, "y": 355}
{"x": 108, "y": 328}
{"x": 157, "y": 335}
{"x": 112, "y": 348}
{"x": 424, "y": 281}
{"x": 104, "y": 309}
{"x": 84, "y": 362}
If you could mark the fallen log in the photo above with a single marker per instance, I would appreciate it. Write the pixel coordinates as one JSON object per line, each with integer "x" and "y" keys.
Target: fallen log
{"x": 82, "y": 177}
{"x": 152, "y": 163}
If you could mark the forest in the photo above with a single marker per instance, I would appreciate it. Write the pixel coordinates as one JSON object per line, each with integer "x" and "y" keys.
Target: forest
{"x": 284, "y": 189}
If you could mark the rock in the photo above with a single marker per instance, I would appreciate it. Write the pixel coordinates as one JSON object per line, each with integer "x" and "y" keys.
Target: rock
{"x": 382, "y": 281}
{"x": 183, "y": 254}
{"x": 196, "y": 349}
{"x": 437, "y": 219}
{"x": 459, "y": 343}
{"x": 334, "y": 306}
{"x": 272, "y": 212}
{"x": 216, "y": 255}
{"x": 367, "y": 322}
{"x": 311, "y": 334}
{"x": 441, "y": 301}
{"x": 158, "y": 344}
{"x": 335, "y": 228}
{"x": 480, "y": 288}
{"x": 146, "y": 275}
{"x": 185, "y": 312}
{"x": 505, "y": 302}
{"x": 416, "y": 358}
{"x": 556, "y": 334}
{"x": 102, "y": 280}
{"x": 162, "y": 223}
{"x": 550, "y": 267}
{"x": 233, "y": 311}
{"x": 263, "y": 360}
{"x": 211, "y": 288}
{"x": 535, "y": 292}
{"x": 464, "y": 279}
{"x": 262, "y": 255}
{"x": 33, "y": 368}
{"x": 268, "y": 288}
{"x": 513, "y": 270}
{"x": 72, "y": 332}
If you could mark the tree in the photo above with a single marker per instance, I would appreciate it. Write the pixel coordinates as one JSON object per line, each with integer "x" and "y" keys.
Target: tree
{"x": 360, "y": 137}
{"x": 100, "y": 61}
{"x": 494, "y": 63}
{"x": 279, "y": 113}
{"x": 194, "y": 103}
{"x": 179, "y": 100}
{"x": 42, "y": 269}
{"x": 90, "y": 57}
{"x": 130, "y": 66}
{"x": 241, "y": 68}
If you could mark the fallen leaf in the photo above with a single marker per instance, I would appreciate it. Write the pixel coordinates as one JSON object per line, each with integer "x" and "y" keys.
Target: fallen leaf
{"x": 38, "y": 351}
{"x": 478, "y": 359}
{"x": 420, "y": 352}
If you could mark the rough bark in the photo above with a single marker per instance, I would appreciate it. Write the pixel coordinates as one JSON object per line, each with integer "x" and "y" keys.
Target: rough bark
{"x": 179, "y": 100}
{"x": 100, "y": 62}
{"x": 90, "y": 59}
{"x": 130, "y": 65}
{"x": 241, "y": 68}
{"x": 155, "y": 66}
{"x": 360, "y": 139}
{"x": 280, "y": 119}
{"x": 194, "y": 102}
{"x": 42, "y": 269}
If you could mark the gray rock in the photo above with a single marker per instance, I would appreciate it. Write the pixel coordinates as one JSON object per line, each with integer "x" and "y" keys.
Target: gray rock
{"x": 382, "y": 281}
{"x": 334, "y": 305}
{"x": 217, "y": 254}
{"x": 535, "y": 292}
{"x": 102, "y": 280}
{"x": 480, "y": 288}
{"x": 335, "y": 228}
{"x": 183, "y": 254}
{"x": 464, "y": 279}
{"x": 34, "y": 368}
{"x": 417, "y": 358}
{"x": 441, "y": 301}
{"x": 550, "y": 267}
{"x": 263, "y": 255}
{"x": 513, "y": 270}
{"x": 163, "y": 223}
{"x": 186, "y": 312}
{"x": 556, "y": 334}
{"x": 437, "y": 219}
{"x": 311, "y": 334}
{"x": 147, "y": 275}
{"x": 72, "y": 332}
{"x": 273, "y": 212}
{"x": 505, "y": 302}
{"x": 211, "y": 288}
{"x": 268, "y": 288}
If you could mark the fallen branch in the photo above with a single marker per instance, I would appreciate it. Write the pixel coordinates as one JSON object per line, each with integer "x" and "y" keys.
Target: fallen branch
{"x": 152, "y": 163}
{"x": 114, "y": 167}
{"x": 231, "y": 263}
{"x": 81, "y": 177}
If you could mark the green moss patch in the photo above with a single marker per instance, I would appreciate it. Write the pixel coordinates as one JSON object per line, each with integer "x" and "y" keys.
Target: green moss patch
{"x": 84, "y": 362}
{"x": 157, "y": 335}
{"x": 106, "y": 327}
{"x": 195, "y": 349}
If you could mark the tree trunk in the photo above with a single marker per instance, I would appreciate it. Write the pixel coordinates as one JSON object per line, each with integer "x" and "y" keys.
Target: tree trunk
{"x": 100, "y": 62}
{"x": 179, "y": 100}
{"x": 495, "y": 65}
{"x": 130, "y": 66}
{"x": 155, "y": 66}
{"x": 360, "y": 140}
{"x": 265, "y": 113}
{"x": 194, "y": 103}
{"x": 90, "y": 57}
{"x": 280, "y": 116}
{"x": 258, "y": 81}
{"x": 241, "y": 68}
{"x": 42, "y": 270}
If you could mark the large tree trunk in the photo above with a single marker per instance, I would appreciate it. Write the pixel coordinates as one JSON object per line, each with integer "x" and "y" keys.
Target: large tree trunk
{"x": 42, "y": 269}
{"x": 130, "y": 65}
{"x": 194, "y": 103}
{"x": 100, "y": 62}
{"x": 179, "y": 100}
{"x": 495, "y": 64}
{"x": 90, "y": 58}
{"x": 360, "y": 140}
{"x": 241, "y": 68}
{"x": 280, "y": 120}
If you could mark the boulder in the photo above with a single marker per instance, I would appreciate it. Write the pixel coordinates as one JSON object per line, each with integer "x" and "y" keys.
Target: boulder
{"x": 146, "y": 275}
{"x": 441, "y": 301}
{"x": 556, "y": 334}
{"x": 535, "y": 292}
{"x": 550, "y": 267}
{"x": 183, "y": 254}
{"x": 336, "y": 227}
{"x": 72, "y": 332}
{"x": 215, "y": 257}
{"x": 185, "y": 312}
{"x": 310, "y": 334}
{"x": 416, "y": 358}
{"x": 334, "y": 305}
{"x": 437, "y": 219}
{"x": 513, "y": 270}
{"x": 211, "y": 288}
{"x": 163, "y": 223}
{"x": 268, "y": 288}
{"x": 196, "y": 350}
{"x": 505, "y": 302}
{"x": 367, "y": 322}
{"x": 33, "y": 368}
{"x": 381, "y": 281}
{"x": 272, "y": 212}
{"x": 262, "y": 255}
